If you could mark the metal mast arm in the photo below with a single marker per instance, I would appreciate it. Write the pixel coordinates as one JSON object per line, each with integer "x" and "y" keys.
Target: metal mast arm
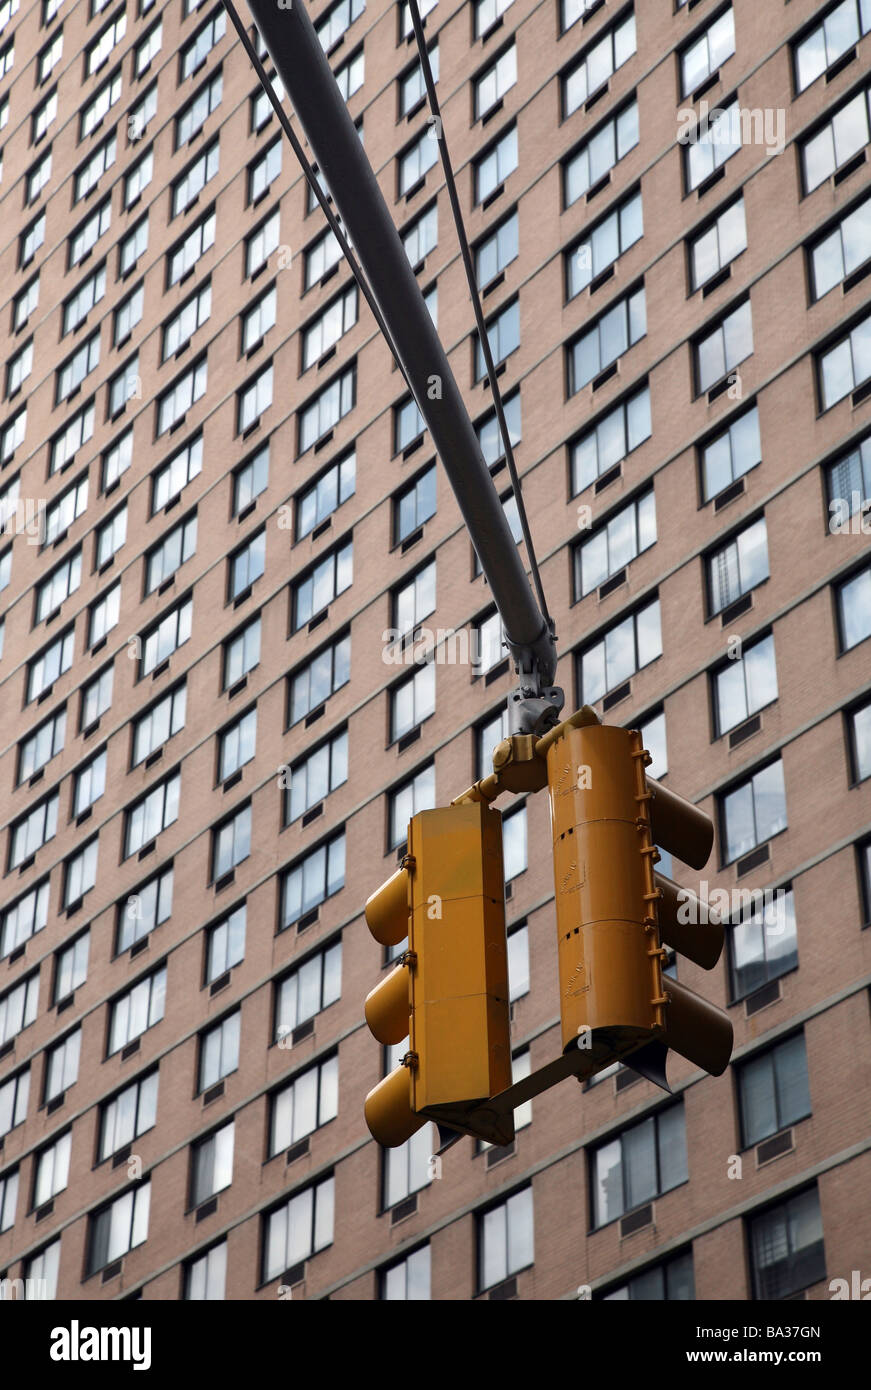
{"x": 307, "y": 77}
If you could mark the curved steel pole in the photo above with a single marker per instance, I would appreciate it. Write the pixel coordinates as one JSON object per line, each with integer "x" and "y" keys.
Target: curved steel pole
{"x": 300, "y": 62}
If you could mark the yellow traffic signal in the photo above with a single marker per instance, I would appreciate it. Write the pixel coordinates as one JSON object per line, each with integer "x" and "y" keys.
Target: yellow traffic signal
{"x": 449, "y": 993}
{"x": 614, "y": 911}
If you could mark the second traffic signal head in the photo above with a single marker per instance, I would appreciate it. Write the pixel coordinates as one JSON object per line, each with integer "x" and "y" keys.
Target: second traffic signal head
{"x": 613, "y": 910}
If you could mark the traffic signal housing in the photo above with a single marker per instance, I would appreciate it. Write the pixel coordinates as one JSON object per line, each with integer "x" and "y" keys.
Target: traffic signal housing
{"x": 614, "y": 911}
{"x": 449, "y": 991}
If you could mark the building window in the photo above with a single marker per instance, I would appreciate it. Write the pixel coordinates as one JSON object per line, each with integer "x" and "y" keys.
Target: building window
{"x": 412, "y": 89}
{"x": 312, "y": 684}
{"x": 859, "y": 734}
{"x": 158, "y": 724}
{"x": 298, "y": 1229}
{"x": 96, "y": 698}
{"x": 18, "y": 1008}
{"x": 490, "y": 435}
{"x": 669, "y": 1281}
{"x": 720, "y": 242}
{"x": 505, "y": 1239}
{"x": 80, "y": 873}
{"x": 37, "y": 177}
{"x": 211, "y": 1165}
{"x": 350, "y": 75}
{"x": 607, "y": 443}
{"x": 187, "y": 188}
{"x": 261, "y": 106}
{"x": 836, "y": 142}
{"x": 57, "y": 586}
{"x": 246, "y": 565}
{"x": 829, "y": 40}
{"x": 514, "y": 842}
{"x": 173, "y": 405}
{"x": 187, "y": 253}
{"x": 166, "y": 637}
{"x": 219, "y": 1051}
{"x": 44, "y": 669}
{"x": 627, "y": 647}
{"x": 51, "y": 1170}
{"x": 15, "y": 1092}
{"x": 104, "y": 614}
{"x": 118, "y": 1228}
{"x": 616, "y": 544}
{"x": 752, "y": 812}
{"x": 236, "y": 745}
{"x": 44, "y": 113}
{"x": 773, "y": 1090}
{"x": 406, "y": 27}
{"x": 412, "y": 701}
{"x": 609, "y": 338}
{"x": 730, "y": 454}
{"x": 98, "y": 51}
{"x": 762, "y": 945}
{"x": 257, "y": 321}
{"x": 744, "y": 686}
{"x": 327, "y": 408}
{"x": 854, "y": 609}
{"x": 8, "y": 1199}
{"x": 149, "y": 47}
{"x": 264, "y": 170}
{"x": 410, "y": 1278}
{"x": 490, "y": 88}
{"x": 206, "y": 1276}
{"x": 786, "y": 1245}
{"x": 194, "y": 53}
{"x": 25, "y": 302}
{"x": 315, "y": 776}
{"x": 845, "y": 366}
{"x": 330, "y": 325}
{"x": 192, "y": 117}
{"x": 231, "y": 843}
{"x": 116, "y": 460}
{"x": 312, "y": 879}
{"x": 61, "y": 1066}
{"x": 848, "y": 484}
{"x": 146, "y": 908}
{"x": 23, "y": 918}
{"x": 250, "y": 479}
{"x": 137, "y": 1010}
{"x": 518, "y": 955}
{"x": 103, "y": 99}
{"x": 130, "y": 1113}
{"x": 41, "y": 1271}
{"x": 311, "y": 987}
{"x": 487, "y": 735}
{"x": 489, "y": 642}
{"x": 644, "y": 1161}
{"x": 414, "y": 505}
{"x": 711, "y": 144}
{"x": 141, "y": 113}
{"x": 309, "y": 1101}
{"x": 316, "y": 589}
{"x": 89, "y": 783}
{"x": 34, "y": 829}
{"x": 336, "y": 20}
{"x": 707, "y": 52}
{"x": 597, "y": 64}
{"x": 737, "y": 567}
{"x": 408, "y": 424}
{"x": 604, "y": 245}
{"x": 721, "y": 349}
{"x": 493, "y": 167}
{"x": 110, "y": 537}
{"x": 503, "y": 335}
{"x": 241, "y": 653}
{"x": 225, "y": 944}
{"x": 171, "y": 478}
{"x": 151, "y": 814}
{"x": 178, "y": 331}
{"x": 323, "y": 253}
{"x": 416, "y": 161}
{"x": 165, "y": 558}
{"x": 417, "y": 794}
{"x": 49, "y": 57}
{"x": 324, "y": 496}
{"x": 598, "y": 154}
{"x": 406, "y": 1168}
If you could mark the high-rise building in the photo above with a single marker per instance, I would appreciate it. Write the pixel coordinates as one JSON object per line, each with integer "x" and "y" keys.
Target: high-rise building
{"x": 220, "y": 508}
